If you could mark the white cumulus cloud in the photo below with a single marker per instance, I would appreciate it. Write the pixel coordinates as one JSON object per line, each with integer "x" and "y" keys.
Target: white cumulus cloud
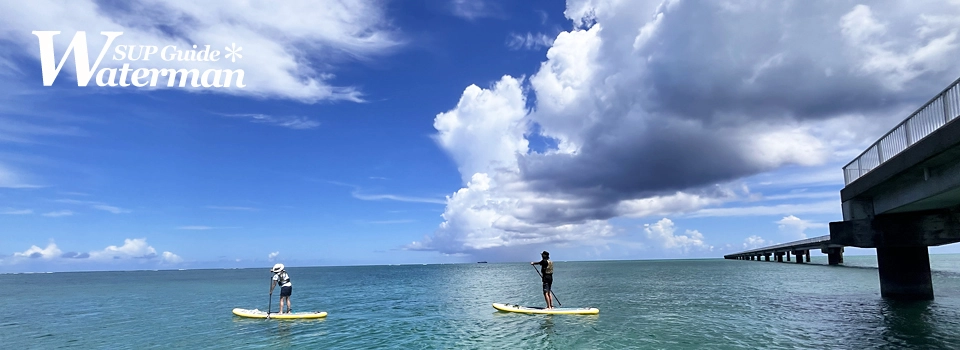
{"x": 795, "y": 228}
{"x": 755, "y": 242}
{"x": 663, "y": 233}
{"x": 171, "y": 258}
{"x": 131, "y": 248}
{"x": 611, "y": 124}
{"x": 35, "y": 252}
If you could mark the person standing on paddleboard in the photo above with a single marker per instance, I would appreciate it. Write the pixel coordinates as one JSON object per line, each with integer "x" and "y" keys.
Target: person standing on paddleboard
{"x": 282, "y": 279}
{"x": 546, "y": 267}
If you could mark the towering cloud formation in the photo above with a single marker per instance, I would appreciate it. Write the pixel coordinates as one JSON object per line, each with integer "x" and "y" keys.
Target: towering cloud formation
{"x": 651, "y": 108}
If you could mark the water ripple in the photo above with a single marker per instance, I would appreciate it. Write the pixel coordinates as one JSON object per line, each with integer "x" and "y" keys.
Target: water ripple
{"x": 646, "y": 304}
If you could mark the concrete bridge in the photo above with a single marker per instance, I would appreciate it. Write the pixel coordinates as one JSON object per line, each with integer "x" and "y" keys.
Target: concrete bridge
{"x": 902, "y": 195}
{"x": 800, "y": 250}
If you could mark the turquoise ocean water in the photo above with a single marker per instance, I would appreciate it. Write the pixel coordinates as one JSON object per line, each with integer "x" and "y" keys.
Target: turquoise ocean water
{"x": 667, "y": 304}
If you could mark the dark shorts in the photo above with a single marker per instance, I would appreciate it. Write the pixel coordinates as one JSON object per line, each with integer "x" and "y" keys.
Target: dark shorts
{"x": 285, "y": 291}
{"x": 547, "y": 283}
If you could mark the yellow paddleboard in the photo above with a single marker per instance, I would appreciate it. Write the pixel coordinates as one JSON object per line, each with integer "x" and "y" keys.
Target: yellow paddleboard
{"x": 263, "y": 314}
{"x": 540, "y": 310}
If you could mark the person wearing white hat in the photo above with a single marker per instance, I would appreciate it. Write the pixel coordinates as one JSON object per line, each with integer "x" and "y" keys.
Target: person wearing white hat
{"x": 282, "y": 279}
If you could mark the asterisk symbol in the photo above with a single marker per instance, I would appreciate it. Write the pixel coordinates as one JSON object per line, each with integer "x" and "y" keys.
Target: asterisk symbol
{"x": 233, "y": 52}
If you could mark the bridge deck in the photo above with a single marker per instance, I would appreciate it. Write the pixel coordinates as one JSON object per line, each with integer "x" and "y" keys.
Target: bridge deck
{"x": 822, "y": 242}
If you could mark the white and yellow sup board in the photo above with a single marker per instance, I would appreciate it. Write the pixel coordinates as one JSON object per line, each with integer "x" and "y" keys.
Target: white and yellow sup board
{"x": 255, "y": 313}
{"x": 540, "y": 310}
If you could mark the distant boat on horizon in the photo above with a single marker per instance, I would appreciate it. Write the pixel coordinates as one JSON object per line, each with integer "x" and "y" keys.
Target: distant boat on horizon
{"x": 481, "y": 262}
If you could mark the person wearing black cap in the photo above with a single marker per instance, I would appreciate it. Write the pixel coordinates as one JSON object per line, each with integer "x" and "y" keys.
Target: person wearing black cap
{"x": 546, "y": 266}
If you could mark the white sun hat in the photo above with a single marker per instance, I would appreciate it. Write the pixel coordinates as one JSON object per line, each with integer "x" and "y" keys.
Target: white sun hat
{"x": 277, "y": 268}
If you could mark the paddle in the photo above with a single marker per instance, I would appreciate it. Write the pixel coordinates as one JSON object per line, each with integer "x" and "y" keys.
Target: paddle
{"x": 270, "y": 303}
{"x": 551, "y": 290}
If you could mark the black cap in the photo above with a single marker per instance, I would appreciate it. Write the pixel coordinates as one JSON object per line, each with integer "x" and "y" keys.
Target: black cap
{"x": 545, "y": 253}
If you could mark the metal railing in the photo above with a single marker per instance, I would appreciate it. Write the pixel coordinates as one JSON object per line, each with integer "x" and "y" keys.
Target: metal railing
{"x": 934, "y": 114}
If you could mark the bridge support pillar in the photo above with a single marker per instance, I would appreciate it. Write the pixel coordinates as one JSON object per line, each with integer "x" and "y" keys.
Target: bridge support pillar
{"x": 788, "y": 256}
{"x": 778, "y": 256}
{"x": 834, "y": 255}
{"x": 766, "y": 256}
{"x": 808, "y": 255}
{"x": 905, "y": 273}
{"x": 799, "y": 255}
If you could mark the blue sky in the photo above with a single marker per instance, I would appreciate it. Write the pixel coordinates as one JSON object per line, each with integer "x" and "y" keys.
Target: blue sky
{"x": 391, "y": 132}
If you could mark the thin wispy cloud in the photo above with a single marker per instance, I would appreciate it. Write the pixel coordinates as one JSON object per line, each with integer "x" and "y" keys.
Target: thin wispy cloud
{"x": 19, "y": 131}
{"x": 110, "y": 208}
{"x": 16, "y": 212}
{"x": 804, "y": 195}
{"x": 529, "y": 41}
{"x": 201, "y": 228}
{"x": 11, "y": 179}
{"x": 74, "y": 193}
{"x": 389, "y": 222}
{"x": 96, "y": 205}
{"x": 218, "y": 207}
{"x": 826, "y": 207}
{"x": 288, "y": 121}
{"x": 544, "y": 16}
{"x": 792, "y": 178}
{"x": 474, "y": 9}
{"x": 338, "y": 183}
{"x": 59, "y": 213}
{"x": 378, "y": 197}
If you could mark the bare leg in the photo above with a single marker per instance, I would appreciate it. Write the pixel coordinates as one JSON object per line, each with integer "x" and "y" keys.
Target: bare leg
{"x": 549, "y": 300}
{"x": 289, "y": 306}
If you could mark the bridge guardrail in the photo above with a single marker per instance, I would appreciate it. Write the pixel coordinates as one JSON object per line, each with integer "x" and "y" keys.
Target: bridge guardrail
{"x": 934, "y": 114}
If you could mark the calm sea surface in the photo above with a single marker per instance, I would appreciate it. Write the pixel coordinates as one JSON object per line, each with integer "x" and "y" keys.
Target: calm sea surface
{"x": 673, "y": 304}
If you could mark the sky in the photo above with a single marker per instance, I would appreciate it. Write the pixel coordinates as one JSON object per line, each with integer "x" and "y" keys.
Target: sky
{"x": 443, "y": 131}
